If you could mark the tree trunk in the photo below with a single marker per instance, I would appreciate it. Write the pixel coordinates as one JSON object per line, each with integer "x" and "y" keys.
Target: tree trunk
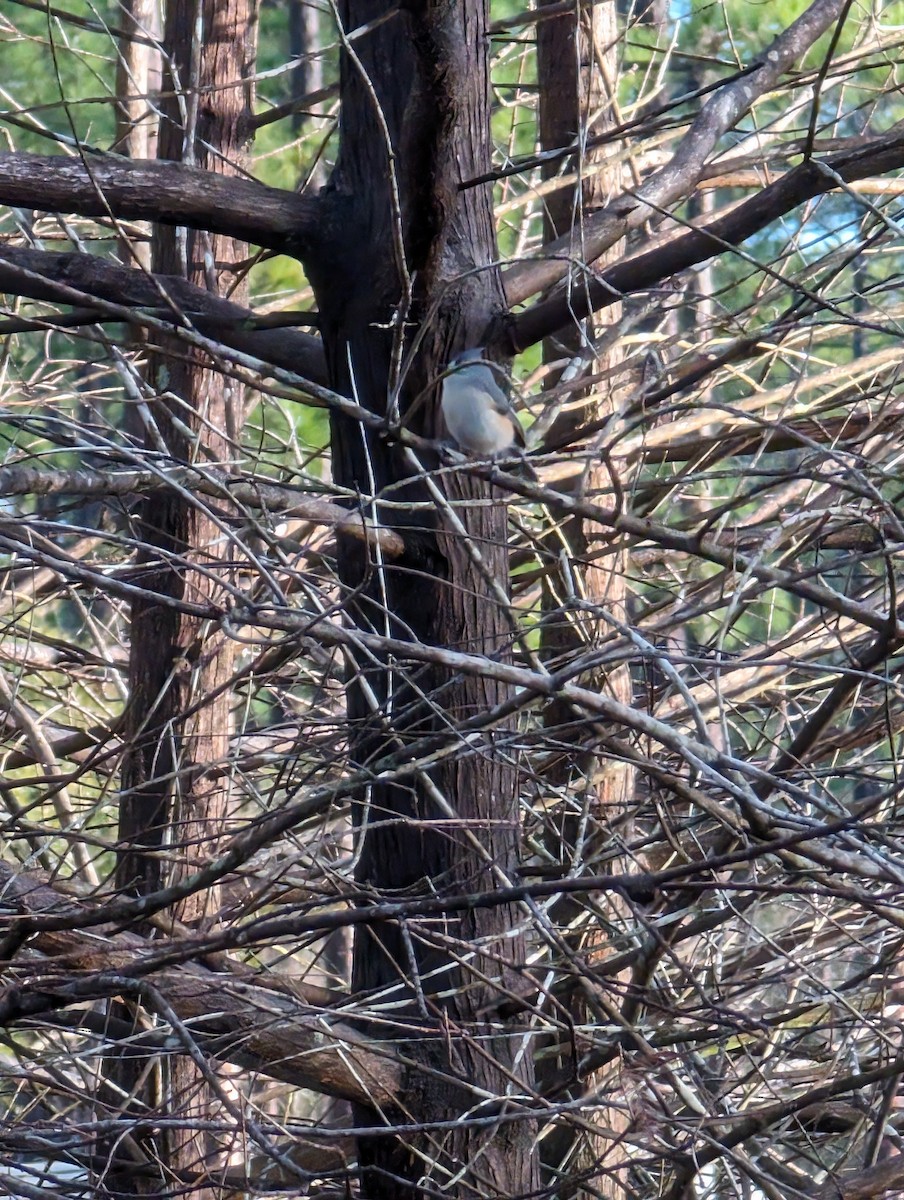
{"x": 577, "y": 59}
{"x": 137, "y": 88}
{"x": 179, "y": 718}
{"x": 406, "y": 246}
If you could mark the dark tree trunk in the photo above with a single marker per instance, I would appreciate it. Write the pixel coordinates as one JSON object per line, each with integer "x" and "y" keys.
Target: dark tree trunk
{"x": 408, "y": 250}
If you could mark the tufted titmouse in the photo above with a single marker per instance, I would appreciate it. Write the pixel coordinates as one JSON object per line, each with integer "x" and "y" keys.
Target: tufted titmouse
{"x": 476, "y": 409}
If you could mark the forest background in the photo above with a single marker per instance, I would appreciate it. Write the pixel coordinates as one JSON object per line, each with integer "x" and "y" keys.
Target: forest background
{"x": 378, "y": 822}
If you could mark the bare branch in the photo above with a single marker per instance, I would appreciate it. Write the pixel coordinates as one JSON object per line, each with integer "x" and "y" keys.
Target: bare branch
{"x": 680, "y": 175}
{"x": 285, "y": 501}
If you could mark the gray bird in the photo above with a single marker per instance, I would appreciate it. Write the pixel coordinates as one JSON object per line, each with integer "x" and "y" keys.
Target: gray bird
{"x": 476, "y": 410}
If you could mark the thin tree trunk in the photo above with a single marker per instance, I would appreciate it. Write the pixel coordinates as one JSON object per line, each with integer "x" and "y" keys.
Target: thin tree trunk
{"x": 304, "y": 42}
{"x": 137, "y": 110}
{"x": 137, "y": 88}
{"x": 179, "y": 714}
{"x": 578, "y": 69}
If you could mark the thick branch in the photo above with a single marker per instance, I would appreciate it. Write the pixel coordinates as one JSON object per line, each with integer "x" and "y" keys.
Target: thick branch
{"x": 874, "y": 1181}
{"x": 810, "y": 179}
{"x": 56, "y": 277}
{"x": 262, "y": 1028}
{"x": 100, "y": 185}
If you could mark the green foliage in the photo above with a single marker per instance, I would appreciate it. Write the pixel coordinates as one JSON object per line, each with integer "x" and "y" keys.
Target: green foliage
{"x": 58, "y": 78}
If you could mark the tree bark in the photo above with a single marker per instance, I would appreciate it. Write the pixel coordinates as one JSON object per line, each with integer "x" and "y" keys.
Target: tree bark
{"x": 577, "y": 59}
{"x": 137, "y": 85}
{"x": 407, "y": 246}
{"x": 179, "y": 712}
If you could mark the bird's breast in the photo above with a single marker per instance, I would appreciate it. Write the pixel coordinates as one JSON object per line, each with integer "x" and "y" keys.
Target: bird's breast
{"x": 479, "y": 430}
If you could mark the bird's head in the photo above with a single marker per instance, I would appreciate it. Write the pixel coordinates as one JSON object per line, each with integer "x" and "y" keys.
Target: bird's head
{"x": 465, "y": 357}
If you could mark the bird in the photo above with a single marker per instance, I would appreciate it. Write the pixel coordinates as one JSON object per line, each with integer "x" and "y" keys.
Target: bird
{"x": 475, "y": 409}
